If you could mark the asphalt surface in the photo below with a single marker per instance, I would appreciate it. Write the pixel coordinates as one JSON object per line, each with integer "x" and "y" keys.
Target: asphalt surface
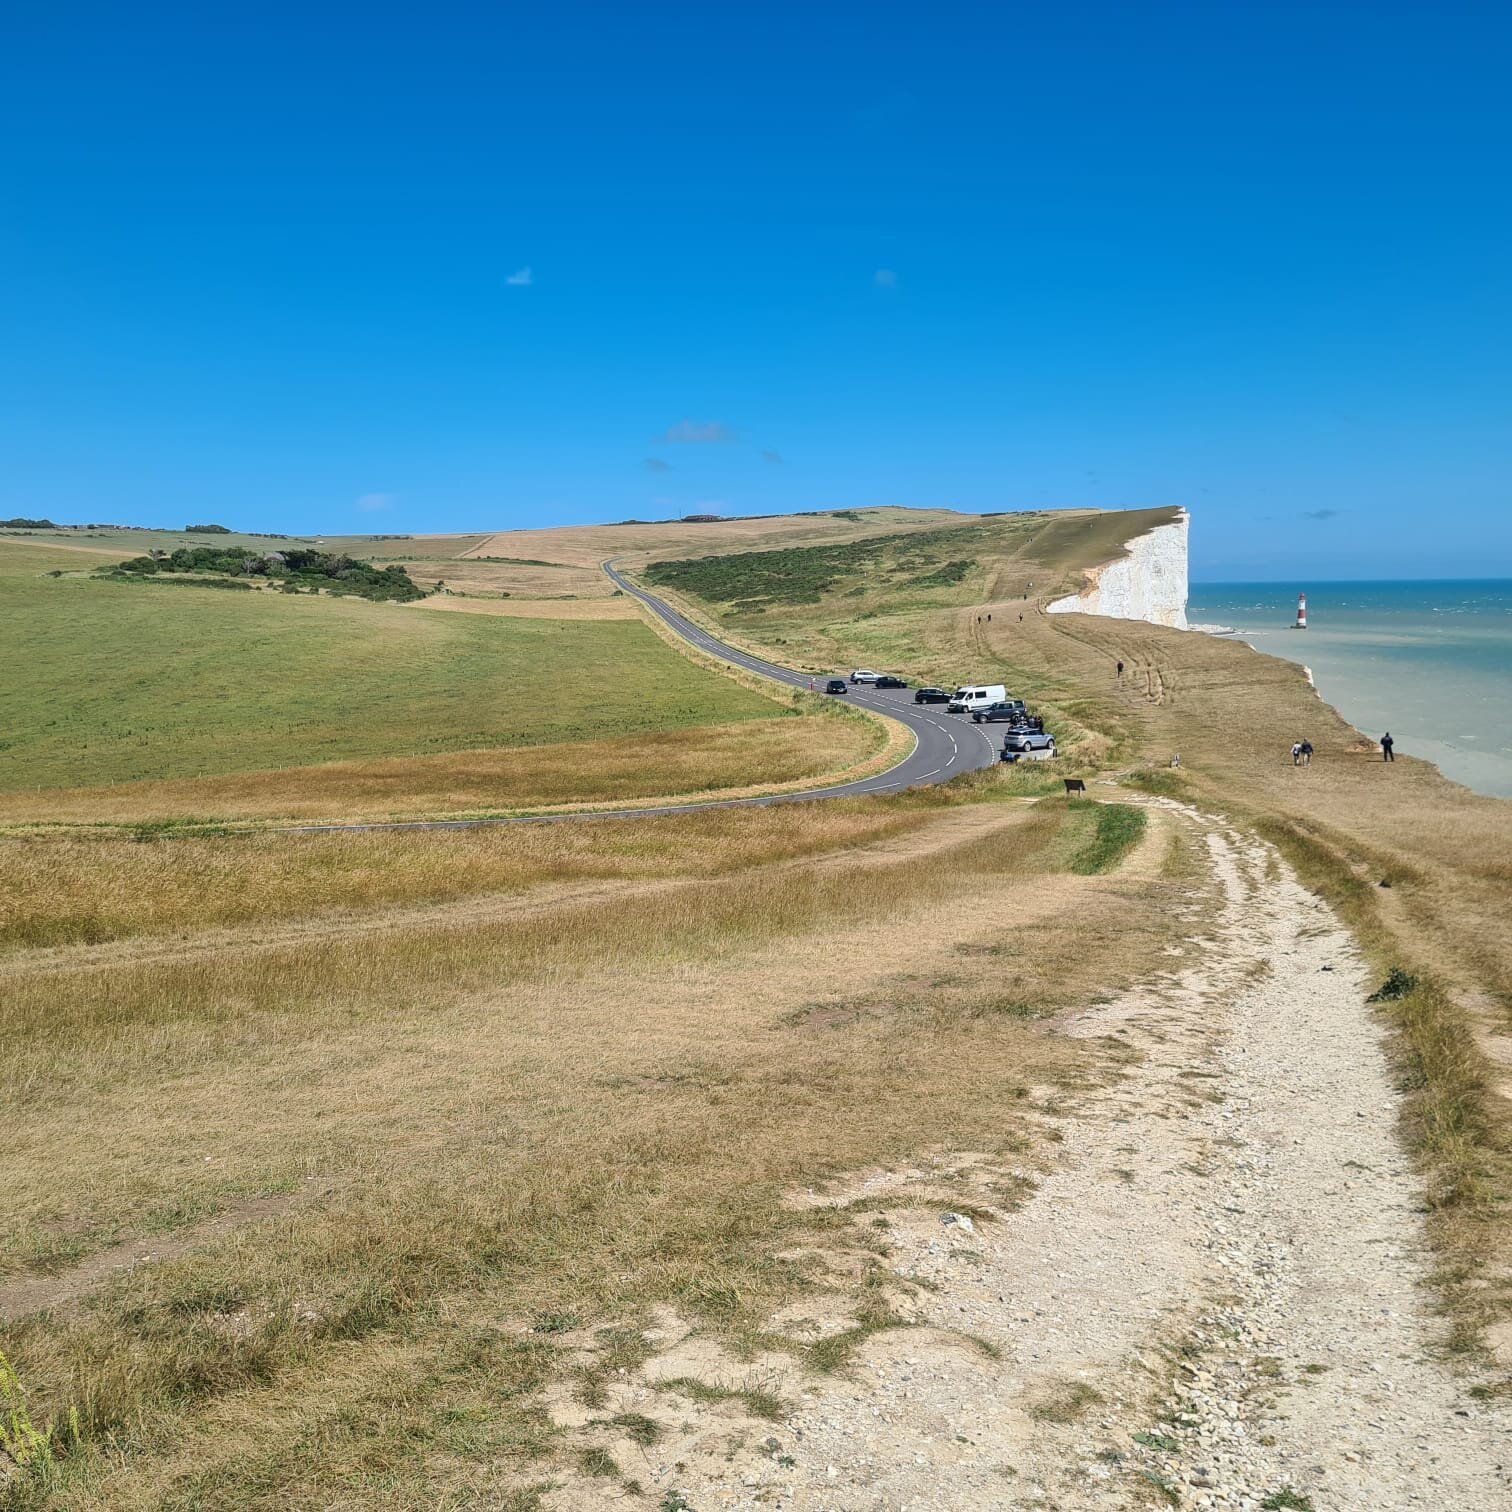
{"x": 945, "y": 745}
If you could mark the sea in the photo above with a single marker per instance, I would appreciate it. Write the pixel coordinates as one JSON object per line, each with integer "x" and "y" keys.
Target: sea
{"x": 1429, "y": 661}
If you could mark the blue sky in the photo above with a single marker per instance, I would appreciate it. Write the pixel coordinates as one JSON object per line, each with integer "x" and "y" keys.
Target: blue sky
{"x": 464, "y": 266}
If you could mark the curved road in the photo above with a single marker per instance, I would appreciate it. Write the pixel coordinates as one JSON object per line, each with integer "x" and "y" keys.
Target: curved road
{"x": 945, "y": 744}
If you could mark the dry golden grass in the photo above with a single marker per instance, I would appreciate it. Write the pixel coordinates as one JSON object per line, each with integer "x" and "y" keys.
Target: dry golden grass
{"x": 702, "y": 762}
{"x": 559, "y": 583}
{"x": 92, "y": 887}
{"x": 577, "y": 1110}
{"x": 588, "y": 545}
{"x": 526, "y": 608}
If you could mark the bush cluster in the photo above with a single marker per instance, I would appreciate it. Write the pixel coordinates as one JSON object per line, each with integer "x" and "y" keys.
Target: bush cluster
{"x": 294, "y": 568}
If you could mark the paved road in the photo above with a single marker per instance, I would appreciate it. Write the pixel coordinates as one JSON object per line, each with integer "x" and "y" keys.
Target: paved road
{"x": 947, "y": 744}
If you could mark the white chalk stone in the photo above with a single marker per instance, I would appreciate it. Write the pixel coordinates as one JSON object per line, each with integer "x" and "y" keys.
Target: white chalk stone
{"x": 1150, "y": 583}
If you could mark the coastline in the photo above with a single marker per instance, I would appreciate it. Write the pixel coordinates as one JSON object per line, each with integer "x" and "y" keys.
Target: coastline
{"x": 1422, "y": 660}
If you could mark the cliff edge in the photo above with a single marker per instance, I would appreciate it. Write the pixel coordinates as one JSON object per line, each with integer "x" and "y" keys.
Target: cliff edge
{"x": 1149, "y": 582}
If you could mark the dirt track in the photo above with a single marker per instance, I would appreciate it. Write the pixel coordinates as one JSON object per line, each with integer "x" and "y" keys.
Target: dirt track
{"x": 1214, "y": 1298}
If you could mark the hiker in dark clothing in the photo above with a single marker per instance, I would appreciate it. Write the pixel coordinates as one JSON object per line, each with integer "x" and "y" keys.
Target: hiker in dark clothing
{"x": 1386, "y": 745}
{"x": 1307, "y": 751}
{"x": 1120, "y": 669}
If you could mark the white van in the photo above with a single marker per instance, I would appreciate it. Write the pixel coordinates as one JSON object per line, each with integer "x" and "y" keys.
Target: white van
{"x": 976, "y": 696}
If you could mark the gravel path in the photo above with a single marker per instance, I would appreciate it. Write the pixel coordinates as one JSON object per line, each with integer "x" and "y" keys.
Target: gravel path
{"x": 1214, "y": 1298}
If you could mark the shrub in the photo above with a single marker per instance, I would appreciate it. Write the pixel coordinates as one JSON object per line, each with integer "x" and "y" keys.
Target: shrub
{"x": 1397, "y": 985}
{"x": 299, "y": 566}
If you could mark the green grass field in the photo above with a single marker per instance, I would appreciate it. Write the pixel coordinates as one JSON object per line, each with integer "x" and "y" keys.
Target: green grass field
{"x": 112, "y": 682}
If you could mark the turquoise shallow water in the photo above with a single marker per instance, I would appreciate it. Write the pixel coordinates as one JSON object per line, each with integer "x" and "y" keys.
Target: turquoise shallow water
{"x": 1429, "y": 661}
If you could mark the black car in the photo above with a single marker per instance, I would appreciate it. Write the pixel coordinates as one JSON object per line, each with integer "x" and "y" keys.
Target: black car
{"x": 997, "y": 713}
{"x": 835, "y": 685}
{"x": 891, "y": 682}
{"x": 931, "y": 695}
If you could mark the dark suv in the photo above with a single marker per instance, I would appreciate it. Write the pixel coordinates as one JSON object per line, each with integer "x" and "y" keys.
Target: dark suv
{"x": 835, "y": 685}
{"x": 931, "y": 695}
{"x": 891, "y": 682}
{"x": 1010, "y": 709}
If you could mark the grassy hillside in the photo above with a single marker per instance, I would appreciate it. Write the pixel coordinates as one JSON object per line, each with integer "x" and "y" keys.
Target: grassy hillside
{"x": 636, "y": 541}
{"x": 893, "y": 599}
{"x": 421, "y": 1127}
{"x": 114, "y": 682}
{"x": 1348, "y": 822}
{"x": 754, "y": 582}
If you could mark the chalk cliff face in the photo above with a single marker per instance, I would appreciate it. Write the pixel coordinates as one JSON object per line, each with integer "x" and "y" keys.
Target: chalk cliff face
{"x": 1150, "y": 583}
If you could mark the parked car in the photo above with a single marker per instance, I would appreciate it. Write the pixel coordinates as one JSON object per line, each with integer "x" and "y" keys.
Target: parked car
{"x": 999, "y": 713}
{"x": 835, "y": 685}
{"x": 891, "y": 682}
{"x": 863, "y": 676}
{"x": 1028, "y": 745}
{"x": 932, "y": 695}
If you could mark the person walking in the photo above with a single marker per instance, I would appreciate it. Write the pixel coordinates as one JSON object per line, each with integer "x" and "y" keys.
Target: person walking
{"x": 1120, "y": 669}
{"x": 1387, "y": 743}
{"x": 1296, "y": 753}
{"x": 1307, "y": 753}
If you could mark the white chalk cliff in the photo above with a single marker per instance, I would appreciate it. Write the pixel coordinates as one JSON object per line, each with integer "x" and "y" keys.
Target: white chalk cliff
{"x": 1150, "y": 583}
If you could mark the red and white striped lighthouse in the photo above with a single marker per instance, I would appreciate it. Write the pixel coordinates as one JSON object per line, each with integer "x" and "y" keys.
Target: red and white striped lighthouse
{"x": 1301, "y": 612}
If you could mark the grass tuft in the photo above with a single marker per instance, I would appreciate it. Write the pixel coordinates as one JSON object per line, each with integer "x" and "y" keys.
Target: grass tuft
{"x": 1117, "y": 829}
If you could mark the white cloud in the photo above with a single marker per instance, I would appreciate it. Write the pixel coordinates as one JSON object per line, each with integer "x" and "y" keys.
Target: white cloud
{"x": 520, "y": 280}
{"x": 885, "y": 278}
{"x": 370, "y": 502}
{"x": 699, "y": 433}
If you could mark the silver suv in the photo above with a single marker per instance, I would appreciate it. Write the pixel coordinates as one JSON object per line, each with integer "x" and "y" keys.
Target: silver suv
{"x": 1028, "y": 745}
